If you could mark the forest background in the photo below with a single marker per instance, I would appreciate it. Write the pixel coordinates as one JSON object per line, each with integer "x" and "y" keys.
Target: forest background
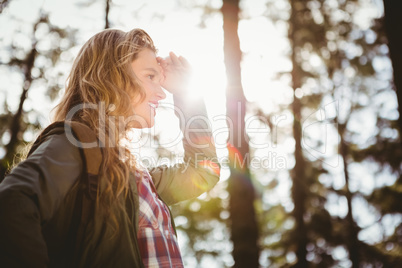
{"x": 303, "y": 91}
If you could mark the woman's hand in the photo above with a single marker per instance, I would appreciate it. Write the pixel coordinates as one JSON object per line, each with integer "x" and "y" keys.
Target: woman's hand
{"x": 176, "y": 73}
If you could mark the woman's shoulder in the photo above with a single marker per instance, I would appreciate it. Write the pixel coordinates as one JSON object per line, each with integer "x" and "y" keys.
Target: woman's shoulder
{"x": 55, "y": 145}
{"x": 68, "y": 140}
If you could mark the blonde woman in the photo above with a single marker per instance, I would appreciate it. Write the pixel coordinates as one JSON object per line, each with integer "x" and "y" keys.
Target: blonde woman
{"x": 115, "y": 85}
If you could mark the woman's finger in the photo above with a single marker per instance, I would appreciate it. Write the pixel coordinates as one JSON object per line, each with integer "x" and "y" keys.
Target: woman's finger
{"x": 184, "y": 62}
{"x": 175, "y": 59}
{"x": 168, "y": 61}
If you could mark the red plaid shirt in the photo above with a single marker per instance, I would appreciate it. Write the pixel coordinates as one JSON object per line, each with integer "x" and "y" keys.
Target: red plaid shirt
{"x": 156, "y": 237}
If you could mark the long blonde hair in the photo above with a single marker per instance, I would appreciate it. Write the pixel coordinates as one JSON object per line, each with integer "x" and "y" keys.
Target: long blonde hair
{"x": 102, "y": 75}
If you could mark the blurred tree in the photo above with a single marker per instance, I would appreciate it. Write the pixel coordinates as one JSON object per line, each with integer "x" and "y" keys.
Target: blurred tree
{"x": 392, "y": 12}
{"x": 15, "y": 124}
{"x": 107, "y": 10}
{"x": 243, "y": 224}
{"x": 336, "y": 81}
{"x": 367, "y": 82}
{"x": 3, "y": 5}
{"x": 299, "y": 176}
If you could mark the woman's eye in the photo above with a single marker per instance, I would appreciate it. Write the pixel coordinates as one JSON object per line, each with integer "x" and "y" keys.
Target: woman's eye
{"x": 151, "y": 76}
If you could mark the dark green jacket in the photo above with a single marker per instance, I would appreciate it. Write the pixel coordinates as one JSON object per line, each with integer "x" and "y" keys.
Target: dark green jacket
{"x": 37, "y": 201}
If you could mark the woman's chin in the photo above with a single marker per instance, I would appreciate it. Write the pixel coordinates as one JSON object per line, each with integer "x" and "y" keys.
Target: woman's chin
{"x": 144, "y": 125}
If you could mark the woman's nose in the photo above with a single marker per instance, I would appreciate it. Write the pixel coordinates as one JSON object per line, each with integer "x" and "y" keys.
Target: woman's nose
{"x": 160, "y": 93}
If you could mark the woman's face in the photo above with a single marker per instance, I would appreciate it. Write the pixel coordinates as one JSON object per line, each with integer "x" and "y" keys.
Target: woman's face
{"x": 150, "y": 76}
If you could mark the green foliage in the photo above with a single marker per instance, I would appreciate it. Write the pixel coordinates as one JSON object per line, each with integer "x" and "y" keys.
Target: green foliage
{"x": 202, "y": 220}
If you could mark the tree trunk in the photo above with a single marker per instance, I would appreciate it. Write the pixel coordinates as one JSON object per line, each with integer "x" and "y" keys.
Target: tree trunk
{"x": 298, "y": 174}
{"x": 107, "y": 23}
{"x": 352, "y": 241}
{"x": 244, "y": 228}
{"x": 393, "y": 18}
